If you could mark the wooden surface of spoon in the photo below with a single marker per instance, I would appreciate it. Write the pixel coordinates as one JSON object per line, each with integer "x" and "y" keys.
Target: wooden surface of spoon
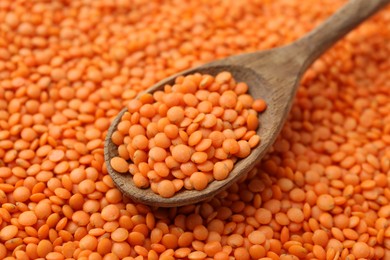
{"x": 273, "y": 75}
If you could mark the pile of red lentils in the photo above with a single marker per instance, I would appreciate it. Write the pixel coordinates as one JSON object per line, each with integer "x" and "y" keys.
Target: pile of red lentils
{"x": 188, "y": 134}
{"x": 68, "y": 67}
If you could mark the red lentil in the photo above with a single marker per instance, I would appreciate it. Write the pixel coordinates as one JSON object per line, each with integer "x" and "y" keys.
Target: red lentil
{"x": 66, "y": 70}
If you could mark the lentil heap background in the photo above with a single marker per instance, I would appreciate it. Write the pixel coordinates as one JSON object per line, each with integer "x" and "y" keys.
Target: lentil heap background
{"x": 68, "y": 67}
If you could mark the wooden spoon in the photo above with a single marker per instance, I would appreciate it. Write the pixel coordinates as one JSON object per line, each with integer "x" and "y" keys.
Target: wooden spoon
{"x": 273, "y": 75}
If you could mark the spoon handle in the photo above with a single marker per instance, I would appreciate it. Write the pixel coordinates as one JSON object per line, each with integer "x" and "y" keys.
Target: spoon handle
{"x": 315, "y": 43}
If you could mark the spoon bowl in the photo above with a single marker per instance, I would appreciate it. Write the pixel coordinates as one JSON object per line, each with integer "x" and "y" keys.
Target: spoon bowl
{"x": 270, "y": 123}
{"x": 272, "y": 75}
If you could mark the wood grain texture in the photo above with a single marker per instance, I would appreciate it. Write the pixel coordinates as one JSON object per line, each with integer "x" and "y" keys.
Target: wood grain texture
{"x": 272, "y": 75}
